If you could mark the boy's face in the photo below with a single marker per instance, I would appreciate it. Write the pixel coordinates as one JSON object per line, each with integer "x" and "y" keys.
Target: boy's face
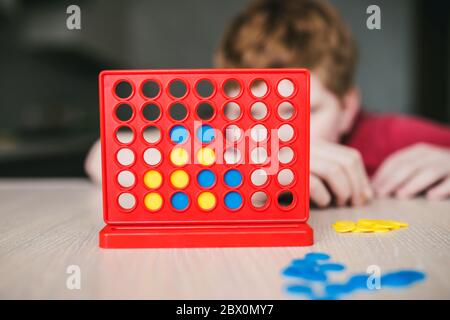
{"x": 331, "y": 116}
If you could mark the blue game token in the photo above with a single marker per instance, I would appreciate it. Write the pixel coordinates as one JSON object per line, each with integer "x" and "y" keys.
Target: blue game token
{"x": 316, "y": 256}
{"x": 314, "y": 276}
{"x": 402, "y": 278}
{"x": 179, "y": 134}
{"x": 305, "y": 273}
{"x": 233, "y": 200}
{"x": 206, "y": 178}
{"x": 331, "y": 267}
{"x": 358, "y": 281}
{"x": 233, "y": 178}
{"x": 205, "y": 133}
{"x": 337, "y": 289}
{"x": 302, "y": 263}
{"x": 179, "y": 201}
{"x": 322, "y": 297}
{"x": 299, "y": 289}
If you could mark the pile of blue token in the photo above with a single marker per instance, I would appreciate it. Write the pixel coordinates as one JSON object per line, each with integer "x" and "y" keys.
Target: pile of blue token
{"x": 312, "y": 278}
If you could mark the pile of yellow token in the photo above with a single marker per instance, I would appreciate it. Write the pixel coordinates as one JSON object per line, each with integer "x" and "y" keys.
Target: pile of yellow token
{"x": 368, "y": 226}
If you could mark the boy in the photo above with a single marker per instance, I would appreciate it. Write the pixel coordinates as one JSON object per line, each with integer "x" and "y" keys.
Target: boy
{"x": 405, "y": 156}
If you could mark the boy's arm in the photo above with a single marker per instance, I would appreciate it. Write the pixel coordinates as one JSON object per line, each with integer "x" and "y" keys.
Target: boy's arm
{"x": 93, "y": 163}
{"x": 419, "y": 160}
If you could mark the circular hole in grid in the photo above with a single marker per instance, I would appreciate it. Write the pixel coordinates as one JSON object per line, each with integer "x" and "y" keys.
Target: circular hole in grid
{"x": 259, "y": 155}
{"x": 124, "y": 112}
{"x": 206, "y": 200}
{"x": 152, "y": 134}
{"x": 259, "y": 88}
{"x": 232, "y": 111}
{"x": 179, "y": 201}
{"x": 233, "y": 200}
{"x": 123, "y": 89}
{"x": 205, "y": 111}
{"x": 178, "y": 111}
{"x": 232, "y": 88}
{"x": 150, "y": 89}
{"x": 153, "y": 201}
{"x": 259, "y": 199}
{"x": 206, "y": 133}
{"x": 206, "y": 178}
{"x": 259, "y": 133}
{"x": 152, "y": 156}
{"x": 126, "y": 201}
{"x": 126, "y": 179}
{"x": 124, "y": 134}
{"x": 285, "y": 199}
{"x": 285, "y": 177}
{"x": 206, "y": 156}
{"x": 179, "y": 179}
{"x": 125, "y": 156}
{"x": 285, "y": 88}
{"x": 204, "y": 88}
{"x": 258, "y": 110}
{"x": 153, "y": 179}
{"x": 233, "y": 178}
{"x": 179, "y": 157}
{"x": 259, "y": 177}
{"x": 151, "y": 112}
{"x": 177, "y": 88}
{"x": 285, "y": 132}
{"x": 232, "y": 156}
{"x": 233, "y": 133}
{"x": 286, "y": 110}
{"x": 285, "y": 155}
{"x": 178, "y": 134}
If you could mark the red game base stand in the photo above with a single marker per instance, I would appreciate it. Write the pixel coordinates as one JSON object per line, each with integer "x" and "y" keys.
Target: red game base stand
{"x": 269, "y": 235}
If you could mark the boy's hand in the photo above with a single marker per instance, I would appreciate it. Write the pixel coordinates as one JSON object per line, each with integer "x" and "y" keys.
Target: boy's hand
{"x": 337, "y": 171}
{"x": 410, "y": 171}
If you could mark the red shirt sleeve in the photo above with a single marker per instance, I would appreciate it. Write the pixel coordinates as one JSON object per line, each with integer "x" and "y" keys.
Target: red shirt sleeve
{"x": 378, "y": 136}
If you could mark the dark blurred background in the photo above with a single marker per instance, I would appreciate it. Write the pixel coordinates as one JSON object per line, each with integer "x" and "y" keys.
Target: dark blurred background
{"x": 48, "y": 74}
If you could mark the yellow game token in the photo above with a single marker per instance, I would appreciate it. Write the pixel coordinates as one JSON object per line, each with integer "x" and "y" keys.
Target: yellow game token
{"x": 206, "y": 156}
{"x": 342, "y": 227}
{"x": 379, "y": 230}
{"x": 383, "y": 224}
{"x": 179, "y": 179}
{"x": 365, "y": 223}
{"x": 179, "y": 156}
{"x": 389, "y": 224}
{"x": 363, "y": 229}
{"x": 153, "y": 179}
{"x": 345, "y": 223}
{"x": 153, "y": 201}
{"x": 206, "y": 200}
{"x": 400, "y": 224}
{"x": 368, "y": 226}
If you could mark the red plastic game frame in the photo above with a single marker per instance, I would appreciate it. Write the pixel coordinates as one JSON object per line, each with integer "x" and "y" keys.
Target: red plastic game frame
{"x": 219, "y": 233}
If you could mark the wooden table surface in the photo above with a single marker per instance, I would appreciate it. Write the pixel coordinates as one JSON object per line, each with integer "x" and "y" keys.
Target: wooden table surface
{"x": 48, "y": 225}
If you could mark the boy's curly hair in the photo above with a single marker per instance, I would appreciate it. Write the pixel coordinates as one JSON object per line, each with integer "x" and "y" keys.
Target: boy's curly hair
{"x": 292, "y": 33}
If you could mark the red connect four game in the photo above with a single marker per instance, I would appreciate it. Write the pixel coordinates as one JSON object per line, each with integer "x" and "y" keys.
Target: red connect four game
{"x": 205, "y": 158}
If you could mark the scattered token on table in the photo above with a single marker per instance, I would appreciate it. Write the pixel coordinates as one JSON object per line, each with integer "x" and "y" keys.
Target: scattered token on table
{"x": 344, "y": 226}
{"x": 310, "y": 276}
{"x": 314, "y": 256}
{"x": 403, "y": 278}
{"x": 368, "y": 226}
{"x": 299, "y": 289}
